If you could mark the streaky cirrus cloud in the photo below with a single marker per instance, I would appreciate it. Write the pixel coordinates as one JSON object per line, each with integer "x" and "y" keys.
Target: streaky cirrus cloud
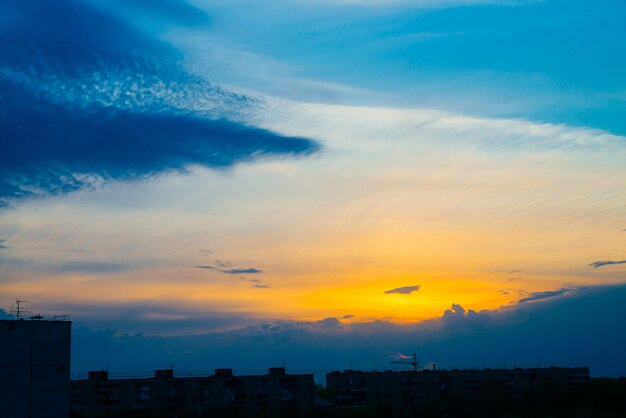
{"x": 82, "y": 102}
{"x": 602, "y": 263}
{"x": 405, "y": 290}
{"x": 422, "y": 4}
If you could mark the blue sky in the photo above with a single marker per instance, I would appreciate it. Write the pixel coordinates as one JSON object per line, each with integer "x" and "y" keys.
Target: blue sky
{"x": 539, "y": 60}
{"x": 206, "y": 176}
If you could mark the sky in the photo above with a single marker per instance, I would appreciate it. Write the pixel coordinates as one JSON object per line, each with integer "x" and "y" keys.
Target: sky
{"x": 324, "y": 185}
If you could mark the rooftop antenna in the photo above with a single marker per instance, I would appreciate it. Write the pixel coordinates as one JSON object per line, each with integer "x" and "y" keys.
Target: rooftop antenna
{"x": 413, "y": 362}
{"x": 19, "y": 311}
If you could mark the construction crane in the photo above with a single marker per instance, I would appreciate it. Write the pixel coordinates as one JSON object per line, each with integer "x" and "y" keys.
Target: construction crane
{"x": 412, "y": 362}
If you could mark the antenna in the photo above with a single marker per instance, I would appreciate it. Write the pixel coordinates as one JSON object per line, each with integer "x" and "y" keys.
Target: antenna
{"x": 413, "y": 362}
{"x": 19, "y": 311}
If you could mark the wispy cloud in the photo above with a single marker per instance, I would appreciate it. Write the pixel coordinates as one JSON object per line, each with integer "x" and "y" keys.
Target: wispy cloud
{"x": 602, "y": 263}
{"x": 535, "y": 296}
{"x": 206, "y": 267}
{"x": 77, "y": 263}
{"x": 423, "y": 4}
{"x": 93, "y": 267}
{"x": 405, "y": 290}
{"x": 234, "y": 271}
{"x": 256, "y": 283}
{"x": 242, "y": 271}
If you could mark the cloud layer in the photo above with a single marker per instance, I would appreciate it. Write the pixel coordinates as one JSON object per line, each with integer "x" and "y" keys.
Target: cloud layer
{"x": 525, "y": 336}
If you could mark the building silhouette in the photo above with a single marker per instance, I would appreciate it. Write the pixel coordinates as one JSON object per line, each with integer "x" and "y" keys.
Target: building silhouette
{"x": 439, "y": 392}
{"x": 222, "y": 394}
{"x": 34, "y": 368}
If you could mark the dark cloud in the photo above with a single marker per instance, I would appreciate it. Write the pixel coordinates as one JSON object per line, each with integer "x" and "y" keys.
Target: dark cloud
{"x": 457, "y": 316}
{"x": 48, "y": 148}
{"x": 2, "y": 244}
{"x": 456, "y": 311}
{"x": 548, "y": 294}
{"x": 156, "y": 318}
{"x": 602, "y": 263}
{"x": 236, "y": 271}
{"x": 347, "y": 317}
{"x": 330, "y": 323}
{"x": 583, "y": 329}
{"x": 77, "y": 100}
{"x": 242, "y": 271}
{"x": 406, "y": 290}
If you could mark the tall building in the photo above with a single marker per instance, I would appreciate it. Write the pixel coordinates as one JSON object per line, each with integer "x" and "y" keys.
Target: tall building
{"x": 35, "y": 368}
